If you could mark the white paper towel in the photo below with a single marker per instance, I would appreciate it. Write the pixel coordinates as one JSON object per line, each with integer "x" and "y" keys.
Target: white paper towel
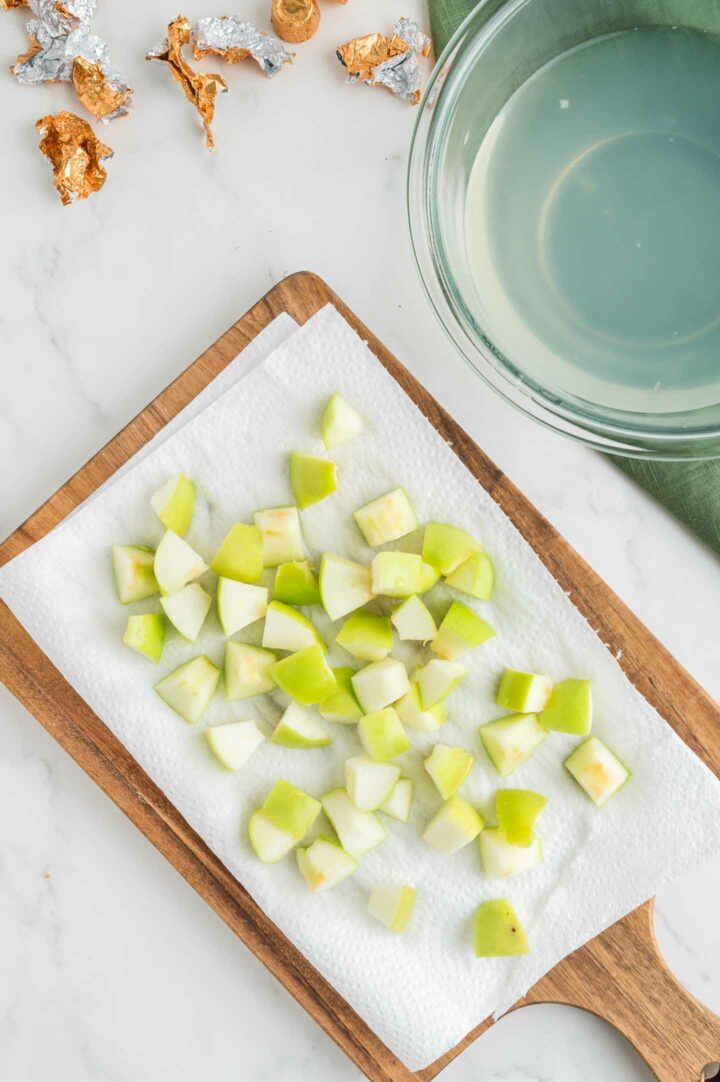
{"x": 423, "y": 991}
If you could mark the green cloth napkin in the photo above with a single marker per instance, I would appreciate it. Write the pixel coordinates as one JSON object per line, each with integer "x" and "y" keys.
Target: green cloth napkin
{"x": 691, "y": 490}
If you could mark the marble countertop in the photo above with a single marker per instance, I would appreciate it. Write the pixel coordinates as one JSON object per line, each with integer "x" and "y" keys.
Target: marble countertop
{"x": 112, "y": 967}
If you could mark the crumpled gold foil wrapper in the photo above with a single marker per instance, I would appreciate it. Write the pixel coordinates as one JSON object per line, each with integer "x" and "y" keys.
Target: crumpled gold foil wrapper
{"x": 8, "y": 5}
{"x": 295, "y": 20}
{"x": 96, "y": 92}
{"x": 362, "y": 56}
{"x": 76, "y": 155}
{"x": 389, "y": 61}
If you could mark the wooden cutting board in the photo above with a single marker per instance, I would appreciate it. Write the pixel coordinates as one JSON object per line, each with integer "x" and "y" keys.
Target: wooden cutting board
{"x": 619, "y": 976}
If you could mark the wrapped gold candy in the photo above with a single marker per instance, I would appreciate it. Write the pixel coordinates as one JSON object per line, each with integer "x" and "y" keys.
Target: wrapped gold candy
{"x": 379, "y": 60}
{"x": 295, "y": 20}
{"x": 76, "y": 155}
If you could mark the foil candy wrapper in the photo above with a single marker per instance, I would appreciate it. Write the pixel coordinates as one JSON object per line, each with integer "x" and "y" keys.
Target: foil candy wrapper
{"x": 378, "y": 60}
{"x": 106, "y": 97}
{"x": 76, "y": 155}
{"x": 295, "y": 20}
{"x": 235, "y": 40}
{"x": 8, "y": 5}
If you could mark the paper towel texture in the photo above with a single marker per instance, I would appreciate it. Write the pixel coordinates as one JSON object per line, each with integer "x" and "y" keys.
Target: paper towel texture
{"x": 423, "y": 991}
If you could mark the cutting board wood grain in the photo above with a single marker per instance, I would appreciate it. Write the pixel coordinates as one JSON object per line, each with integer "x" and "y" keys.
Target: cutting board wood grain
{"x": 619, "y": 976}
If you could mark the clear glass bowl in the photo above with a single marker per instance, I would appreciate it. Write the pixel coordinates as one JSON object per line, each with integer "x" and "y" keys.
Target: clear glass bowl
{"x": 498, "y": 47}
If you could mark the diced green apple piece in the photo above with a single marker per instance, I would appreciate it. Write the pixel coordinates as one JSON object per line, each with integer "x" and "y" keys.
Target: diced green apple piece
{"x": 240, "y": 604}
{"x": 437, "y": 679}
{"x": 146, "y": 634}
{"x": 446, "y": 547}
{"x": 597, "y": 770}
{"x": 399, "y": 803}
{"x": 387, "y": 518}
{"x": 176, "y": 563}
{"x": 392, "y": 906}
{"x": 247, "y": 670}
{"x": 186, "y": 610}
{"x": 340, "y": 422}
{"x": 189, "y": 688}
{"x": 410, "y": 711}
{"x": 382, "y": 735}
{"x": 311, "y": 478}
{"x": 366, "y": 636}
{"x": 569, "y": 708}
{"x": 429, "y": 575}
{"x": 342, "y": 704}
{"x": 358, "y": 831}
{"x": 512, "y": 740}
{"x": 448, "y": 767}
{"x": 233, "y": 744}
{"x": 523, "y": 692}
{"x": 461, "y": 630}
{"x": 324, "y": 864}
{"x": 297, "y": 729}
{"x": 455, "y": 825}
{"x": 174, "y": 504}
{"x": 281, "y": 535}
{"x": 380, "y": 683}
{"x": 290, "y": 809}
{"x": 369, "y": 783}
{"x": 413, "y": 621}
{"x": 240, "y": 555}
{"x": 396, "y": 574}
{"x": 287, "y": 629}
{"x": 305, "y": 676}
{"x": 500, "y": 859}
{"x": 269, "y": 843}
{"x": 133, "y": 571}
{"x": 344, "y": 585}
{"x": 295, "y": 583}
{"x": 498, "y": 932}
{"x": 517, "y": 810}
{"x": 475, "y": 576}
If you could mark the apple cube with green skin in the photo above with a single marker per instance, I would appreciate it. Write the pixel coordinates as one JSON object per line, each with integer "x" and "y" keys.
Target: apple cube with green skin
{"x": 396, "y": 574}
{"x": 247, "y": 670}
{"x": 174, "y": 504}
{"x": 311, "y": 478}
{"x": 413, "y": 621}
{"x": 176, "y": 563}
{"x": 269, "y": 843}
{"x": 342, "y": 705}
{"x": 597, "y": 770}
{"x": 392, "y": 906}
{"x": 380, "y": 683}
{"x": 455, "y": 825}
{"x": 340, "y": 423}
{"x": 437, "y": 679}
{"x": 240, "y": 604}
{"x": 295, "y": 584}
{"x": 410, "y": 711}
{"x": 448, "y": 767}
{"x": 324, "y": 864}
{"x": 297, "y": 729}
{"x": 387, "y": 518}
{"x": 189, "y": 688}
{"x": 290, "y": 809}
{"x": 281, "y": 535}
{"x": 133, "y": 572}
{"x": 523, "y": 692}
{"x": 240, "y": 556}
{"x": 358, "y": 831}
{"x": 517, "y": 810}
{"x": 475, "y": 576}
{"x": 500, "y": 859}
{"x": 382, "y": 735}
{"x": 498, "y": 932}
{"x": 305, "y": 676}
{"x": 344, "y": 585}
{"x": 569, "y": 708}
{"x": 460, "y": 631}
{"x": 446, "y": 547}
{"x": 186, "y": 610}
{"x": 399, "y": 803}
{"x": 146, "y": 634}
{"x": 511, "y": 741}
{"x": 369, "y": 783}
{"x": 287, "y": 629}
{"x": 233, "y": 744}
{"x": 366, "y": 636}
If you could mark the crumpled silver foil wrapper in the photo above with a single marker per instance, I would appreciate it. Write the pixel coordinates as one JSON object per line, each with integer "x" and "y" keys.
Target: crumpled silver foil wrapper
{"x": 399, "y": 73}
{"x": 410, "y": 32}
{"x": 82, "y": 10}
{"x": 234, "y": 39}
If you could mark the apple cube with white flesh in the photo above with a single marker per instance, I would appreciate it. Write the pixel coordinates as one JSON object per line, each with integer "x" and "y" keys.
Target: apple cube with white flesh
{"x": 311, "y": 478}
{"x": 358, "y": 831}
{"x": 512, "y": 740}
{"x": 429, "y": 575}
{"x": 410, "y": 711}
{"x": 437, "y": 679}
{"x": 368, "y": 783}
{"x": 569, "y": 708}
{"x": 344, "y": 585}
{"x": 366, "y": 636}
{"x": 380, "y": 683}
{"x": 517, "y": 810}
{"x": 247, "y": 670}
{"x": 340, "y": 422}
{"x": 448, "y": 767}
{"x": 324, "y": 864}
{"x": 392, "y": 906}
{"x": 500, "y": 859}
{"x": 297, "y": 729}
{"x": 133, "y": 572}
{"x": 413, "y": 621}
{"x": 597, "y": 770}
{"x": 146, "y": 634}
{"x": 523, "y": 692}
{"x": 446, "y": 547}
{"x": 305, "y": 676}
{"x": 233, "y": 744}
{"x": 342, "y": 705}
{"x": 387, "y": 518}
{"x": 475, "y": 576}
{"x": 240, "y": 604}
{"x": 461, "y": 630}
{"x": 287, "y": 629}
{"x": 399, "y": 803}
{"x": 295, "y": 584}
{"x": 498, "y": 932}
{"x": 281, "y": 536}
{"x": 240, "y": 556}
{"x": 290, "y": 809}
{"x": 174, "y": 504}
{"x": 269, "y": 843}
{"x": 455, "y": 825}
{"x": 189, "y": 688}
{"x": 186, "y": 610}
{"x": 396, "y": 574}
{"x": 382, "y": 735}
{"x": 176, "y": 563}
